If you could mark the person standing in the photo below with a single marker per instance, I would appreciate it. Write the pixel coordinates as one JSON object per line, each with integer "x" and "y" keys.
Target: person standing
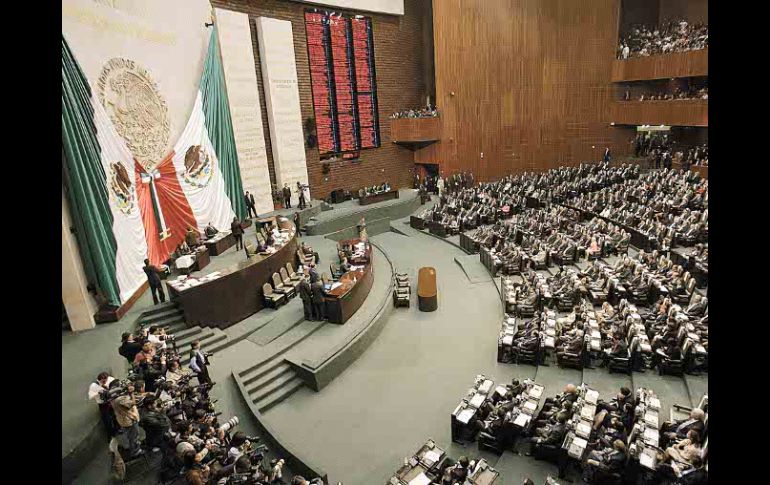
{"x": 306, "y": 295}
{"x": 153, "y": 278}
{"x": 101, "y": 384}
{"x": 301, "y": 192}
{"x": 319, "y": 304}
{"x": 199, "y": 363}
{"x": 286, "y": 196}
{"x": 250, "y": 204}
{"x": 237, "y": 230}
{"x": 440, "y": 186}
{"x": 127, "y": 416}
{"x": 607, "y": 154}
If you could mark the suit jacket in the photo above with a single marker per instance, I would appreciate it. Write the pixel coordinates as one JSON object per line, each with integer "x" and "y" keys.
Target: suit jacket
{"x": 684, "y": 426}
{"x": 318, "y": 291}
{"x": 305, "y": 292}
{"x": 236, "y": 228}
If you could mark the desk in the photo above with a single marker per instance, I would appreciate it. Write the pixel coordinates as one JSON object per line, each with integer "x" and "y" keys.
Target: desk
{"x": 202, "y": 258}
{"x": 220, "y": 243}
{"x": 374, "y": 198}
{"x": 483, "y": 474}
{"x": 427, "y": 291}
{"x": 344, "y": 300}
{"x": 228, "y": 296}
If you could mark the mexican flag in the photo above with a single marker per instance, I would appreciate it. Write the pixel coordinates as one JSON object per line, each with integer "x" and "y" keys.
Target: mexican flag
{"x": 125, "y": 212}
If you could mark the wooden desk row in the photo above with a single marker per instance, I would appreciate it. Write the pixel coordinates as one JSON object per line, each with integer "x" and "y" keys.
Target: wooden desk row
{"x": 430, "y": 461}
{"x": 374, "y": 198}
{"x": 237, "y": 291}
{"x": 344, "y": 300}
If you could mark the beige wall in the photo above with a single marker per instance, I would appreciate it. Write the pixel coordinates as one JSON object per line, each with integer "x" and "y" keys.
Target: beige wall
{"x": 79, "y": 303}
{"x": 169, "y": 45}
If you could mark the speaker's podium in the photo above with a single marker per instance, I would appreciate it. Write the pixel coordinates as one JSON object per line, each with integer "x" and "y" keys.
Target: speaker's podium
{"x": 427, "y": 291}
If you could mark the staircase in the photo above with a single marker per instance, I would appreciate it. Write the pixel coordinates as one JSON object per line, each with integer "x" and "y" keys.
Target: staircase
{"x": 170, "y": 316}
{"x": 270, "y": 382}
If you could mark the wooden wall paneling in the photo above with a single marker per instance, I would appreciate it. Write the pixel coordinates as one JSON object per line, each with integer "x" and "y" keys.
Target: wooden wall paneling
{"x": 531, "y": 81}
{"x": 673, "y": 113}
{"x": 677, "y": 64}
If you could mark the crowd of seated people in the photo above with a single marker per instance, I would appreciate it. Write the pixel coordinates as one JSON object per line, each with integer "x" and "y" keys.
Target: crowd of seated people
{"x": 465, "y": 207}
{"x": 424, "y": 112}
{"x": 671, "y": 36}
{"x": 609, "y": 441}
{"x": 678, "y": 95}
{"x": 168, "y": 398}
{"x": 668, "y": 207}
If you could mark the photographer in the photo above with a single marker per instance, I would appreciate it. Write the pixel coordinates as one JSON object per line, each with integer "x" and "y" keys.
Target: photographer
{"x": 176, "y": 372}
{"x": 199, "y": 362}
{"x": 95, "y": 390}
{"x": 150, "y": 365}
{"x": 158, "y": 337}
{"x": 155, "y": 424}
{"x": 129, "y": 347}
{"x": 196, "y": 472}
{"x": 127, "y": 416}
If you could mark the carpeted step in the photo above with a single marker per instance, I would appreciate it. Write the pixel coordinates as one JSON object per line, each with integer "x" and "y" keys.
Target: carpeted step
{"x": 272, "y": 386}
{"x": 274, "y": 372}
{"x": 160, "y": 318}
{"x": 159, "y": 308}
{"x": 261, "y": 370}
{"x": 282, "y": 394}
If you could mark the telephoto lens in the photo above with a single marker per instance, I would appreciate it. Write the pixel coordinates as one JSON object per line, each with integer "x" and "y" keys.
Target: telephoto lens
{"x": 230, "y": 424}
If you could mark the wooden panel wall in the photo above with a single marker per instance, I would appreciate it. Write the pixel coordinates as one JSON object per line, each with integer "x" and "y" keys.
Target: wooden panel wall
{"x": 415, "y": 129}
{"x": 531, "y": 83}
{"x": 399, "y": 61}
{"x": 677, "y": 113}
{"x": 677, "y": 64}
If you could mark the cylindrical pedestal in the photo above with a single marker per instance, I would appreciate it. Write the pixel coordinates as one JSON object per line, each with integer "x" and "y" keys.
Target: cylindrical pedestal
{"x": 427, "y": 291}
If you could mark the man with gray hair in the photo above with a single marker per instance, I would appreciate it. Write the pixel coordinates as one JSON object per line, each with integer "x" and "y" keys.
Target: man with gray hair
{"x": 678, "y": 430}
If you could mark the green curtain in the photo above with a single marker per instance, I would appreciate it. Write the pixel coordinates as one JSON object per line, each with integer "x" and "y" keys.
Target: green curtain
{"x": 216, "y": 108}
{"x": 84, "y": 180}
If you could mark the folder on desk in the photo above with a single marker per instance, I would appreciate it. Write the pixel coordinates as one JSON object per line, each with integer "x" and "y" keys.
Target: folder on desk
{"x": 588, "y": 412}
{"x": 477, "y": 400}
{"x": 651, "y": 436}
{"x": 577, "y": 447}
{"x": 420, "y": 479}
{"x": 486, "y": 386}
{"x": 654, "y": 403}
{"x": 465, "y": 415}
{"x": 592, "y": 397}
{"x": 583, "y": 429}
{"x": 536, "y": 391}
{"x": 522, "y": 420}
{"x": 647, "y": 459}
{"x": 508, "y": 340}
{"x": 529, "y": 407}
{"x": 651, "y": 419}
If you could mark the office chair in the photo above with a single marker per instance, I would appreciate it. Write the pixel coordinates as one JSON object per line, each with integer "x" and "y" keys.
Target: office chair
{"x": 272, "y": 299}
{"x": 279, "y": 287}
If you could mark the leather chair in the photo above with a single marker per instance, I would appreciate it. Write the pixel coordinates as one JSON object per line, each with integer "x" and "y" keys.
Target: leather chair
{"x": 402, "y": 291}
{"x": 620, "y": 364}
{"x": 272, "y": 299}
{"x": 293, "y": 274}
{"x": 335, "y": 271}
{"x": 571, "y": 360}
{"x": 287, "y": 281}
{"x": 529, "y": 356}
{"x": 279, "y": 287}
{"x": 304, "y": 259}
{"x": 667, "y": 366}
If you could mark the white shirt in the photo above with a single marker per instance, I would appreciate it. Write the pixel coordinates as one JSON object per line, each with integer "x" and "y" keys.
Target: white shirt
{"x": 156, "y": 341}
{"x": 95, "y": 389}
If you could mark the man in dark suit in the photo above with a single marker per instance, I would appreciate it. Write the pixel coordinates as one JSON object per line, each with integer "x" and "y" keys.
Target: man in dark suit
{"x": 237, "y": 230}
{"x": 153, "y": 278}
{"x": 319, "y": 304}
{"x": 605, "y": 462}
{"x": 250, "y": 204}
{"x": 314, "y": 274}
{"x": 306, "y": 295}
{"x": 678, "y": 430}
{"x": 286, "y": 196}
{"x": 552, "y": 435}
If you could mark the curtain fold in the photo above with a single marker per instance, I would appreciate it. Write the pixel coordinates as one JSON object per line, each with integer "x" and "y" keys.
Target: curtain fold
{"x": 216, "y": 109}
{"x": 85, "y": 181}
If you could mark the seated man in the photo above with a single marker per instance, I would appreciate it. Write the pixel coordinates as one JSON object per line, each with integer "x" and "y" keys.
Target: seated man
{"x": 457, "y": 472}
{"x": 210, "y": 231}
{"x": 605, "y": 462}
{"x": 192, "y": 238}
{"x": 617, "y": 349}
{"x": 550, "y": 435}
{"x": 344, "y": 266}
{"x": 697, "y": 306}
{"x": 679, "y": 429}
{"x": 307, "y": 250}
{"x": 670, "y": 350}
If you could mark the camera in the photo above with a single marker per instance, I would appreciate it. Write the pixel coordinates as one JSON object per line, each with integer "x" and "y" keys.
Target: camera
{"x": 230, "y": 424}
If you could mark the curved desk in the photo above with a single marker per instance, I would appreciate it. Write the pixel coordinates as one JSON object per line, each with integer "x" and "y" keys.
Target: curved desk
{"x": 427, "y": 291}
{"x": 237, "y": 292}
{"x": 344, "y": 300}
